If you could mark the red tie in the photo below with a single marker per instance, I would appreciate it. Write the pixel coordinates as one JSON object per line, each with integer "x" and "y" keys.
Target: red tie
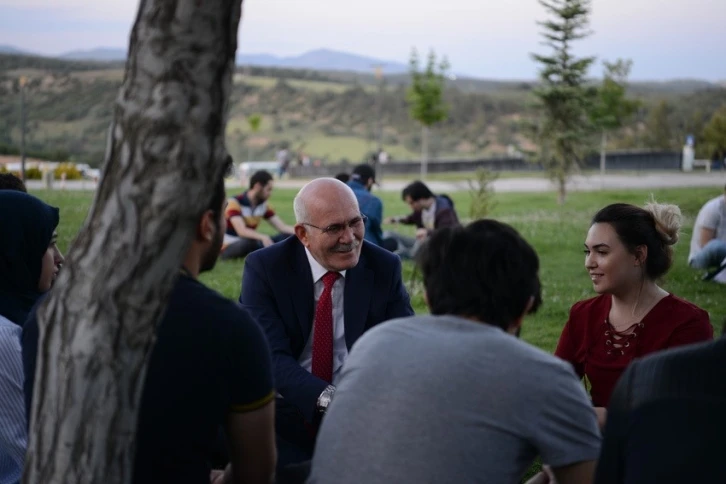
{"x": 323, "y": 331}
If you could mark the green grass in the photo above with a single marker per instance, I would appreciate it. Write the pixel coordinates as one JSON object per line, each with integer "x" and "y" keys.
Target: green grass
{"x": 556, "y": 232}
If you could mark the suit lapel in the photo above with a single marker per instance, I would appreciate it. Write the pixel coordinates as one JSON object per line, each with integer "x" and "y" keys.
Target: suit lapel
{"x": 357, "y": 298}
{"x": 301, "y": 290}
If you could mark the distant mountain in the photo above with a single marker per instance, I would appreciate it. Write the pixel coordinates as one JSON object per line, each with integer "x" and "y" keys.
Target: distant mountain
{"x": 9, "y": 49}
{"x": 323, "y": 60}
{"x": 104, "y": 54}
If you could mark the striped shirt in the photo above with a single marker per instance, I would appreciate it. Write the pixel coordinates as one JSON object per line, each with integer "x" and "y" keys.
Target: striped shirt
{"x": 13, "y": 434}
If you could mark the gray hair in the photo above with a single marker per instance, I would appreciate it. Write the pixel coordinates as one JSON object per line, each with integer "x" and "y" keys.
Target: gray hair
{"x": 299, "y": 208}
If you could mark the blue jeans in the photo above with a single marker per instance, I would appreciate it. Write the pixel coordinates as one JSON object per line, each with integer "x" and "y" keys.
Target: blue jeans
{"x": 711, "y": 255}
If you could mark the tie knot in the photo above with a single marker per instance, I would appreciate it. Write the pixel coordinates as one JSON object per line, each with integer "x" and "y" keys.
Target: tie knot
{"x": 329, "y": 278}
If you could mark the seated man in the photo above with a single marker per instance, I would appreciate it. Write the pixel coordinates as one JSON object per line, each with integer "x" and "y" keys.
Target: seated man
{"x": 708, "y": 242}
{"x": 314, "y": 295}
{"x": 456, "y": 396}
{"x": 209, "y": 369}
{"x": 666, "y": 418}
{"x": 361, "y": 182}
{"x": 243, "y": 215}
{"x": 430, "y": 212}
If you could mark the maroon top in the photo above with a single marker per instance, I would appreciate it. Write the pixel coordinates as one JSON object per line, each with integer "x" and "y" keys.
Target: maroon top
{"x": 590, "y": 345}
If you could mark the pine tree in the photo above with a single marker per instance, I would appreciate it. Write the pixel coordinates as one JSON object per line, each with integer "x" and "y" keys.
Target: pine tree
{"x": 563, "y": 131}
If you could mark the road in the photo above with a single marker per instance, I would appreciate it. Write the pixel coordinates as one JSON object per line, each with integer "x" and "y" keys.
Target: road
{"x": 577, "y": 183}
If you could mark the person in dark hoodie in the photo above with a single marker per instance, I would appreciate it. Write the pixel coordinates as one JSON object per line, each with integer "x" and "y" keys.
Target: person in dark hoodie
{"x": 430, "y": 212}
{"x": 28, "y": 266}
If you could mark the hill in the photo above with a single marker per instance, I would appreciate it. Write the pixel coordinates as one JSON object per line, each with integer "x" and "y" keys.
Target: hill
{"x": 328, "y": 114}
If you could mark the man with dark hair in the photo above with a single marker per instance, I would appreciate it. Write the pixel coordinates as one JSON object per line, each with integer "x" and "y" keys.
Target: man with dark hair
{"x": 210, "y": 369}
{"x": 455, "y": 396}
{"x": 430, "y": 212}
{"x": 666, "y": 418}
{"x": 361, "y": 182}
{"x": 244, "y": 214}
{"x": 8, "y": 181}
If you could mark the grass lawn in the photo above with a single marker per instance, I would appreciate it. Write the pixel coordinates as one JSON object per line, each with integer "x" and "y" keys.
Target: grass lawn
{"x": 557, "y": 233}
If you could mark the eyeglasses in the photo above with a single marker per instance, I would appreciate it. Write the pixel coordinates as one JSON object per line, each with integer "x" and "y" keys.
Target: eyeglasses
{"x": 336, "y": 230}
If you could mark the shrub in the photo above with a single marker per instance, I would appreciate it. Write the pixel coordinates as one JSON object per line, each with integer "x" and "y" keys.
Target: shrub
{"x": 69, "y": 169}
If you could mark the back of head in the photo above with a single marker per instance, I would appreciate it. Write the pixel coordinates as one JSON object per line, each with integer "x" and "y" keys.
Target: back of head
{"x": 417, "y": 190}
{"x": 26, "y": 229}
{"x": 362, "y": 173}
{"x": 655, "y": 226}
{"x": 485, "y": 271}
{"x": 342, "y": 176}
{"x": 262, "y": 177}
{"x": 8, "y": 181}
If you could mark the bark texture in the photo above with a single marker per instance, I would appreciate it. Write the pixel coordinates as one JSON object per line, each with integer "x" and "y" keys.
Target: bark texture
{"x": 165, "y": 151}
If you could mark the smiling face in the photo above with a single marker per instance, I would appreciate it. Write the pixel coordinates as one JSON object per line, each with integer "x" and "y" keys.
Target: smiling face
{"x": 333, "y": 231}
{"x": 611, "y": 266}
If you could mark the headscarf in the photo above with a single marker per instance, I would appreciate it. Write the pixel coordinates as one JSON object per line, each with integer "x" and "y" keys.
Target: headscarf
{"x": 26, "y": 229}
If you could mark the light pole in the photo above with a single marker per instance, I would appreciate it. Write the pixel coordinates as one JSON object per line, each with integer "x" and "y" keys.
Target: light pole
{"x": 22, "y": 81}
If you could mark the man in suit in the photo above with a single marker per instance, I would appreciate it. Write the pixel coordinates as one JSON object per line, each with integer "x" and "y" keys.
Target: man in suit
{"x": 314, "y": 295}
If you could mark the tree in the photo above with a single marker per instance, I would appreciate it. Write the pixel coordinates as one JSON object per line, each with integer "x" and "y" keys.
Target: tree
{"x": 164, "y": 153}
{"x": 612, "y": 108}
{"x": 563, "y": 131}
{"x": 658, "y": 134}
{"x": 714, "y": 134}
{"x": 255, "y": 122}
{"x": 425, "y": 98}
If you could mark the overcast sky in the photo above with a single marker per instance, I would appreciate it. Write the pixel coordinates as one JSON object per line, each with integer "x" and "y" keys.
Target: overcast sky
{"x": 666, "y": 39}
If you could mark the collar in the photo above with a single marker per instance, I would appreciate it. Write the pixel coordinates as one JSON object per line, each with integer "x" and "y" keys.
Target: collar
{"x": 315, "y": 267}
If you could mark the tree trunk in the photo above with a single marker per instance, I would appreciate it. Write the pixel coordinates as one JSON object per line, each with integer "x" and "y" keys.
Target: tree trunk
{"x": 424, "y": 150}
{"x": 561, "y": 189}
{"x": 603, "y": 145}
{"x": 165, "y": 151}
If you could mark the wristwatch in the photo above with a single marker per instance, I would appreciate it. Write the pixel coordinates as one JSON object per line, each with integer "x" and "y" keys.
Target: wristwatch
{"x": 325, "y": 398}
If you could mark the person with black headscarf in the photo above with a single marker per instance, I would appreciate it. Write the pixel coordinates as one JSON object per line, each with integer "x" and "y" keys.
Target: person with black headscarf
{"x": 28, "y": 265}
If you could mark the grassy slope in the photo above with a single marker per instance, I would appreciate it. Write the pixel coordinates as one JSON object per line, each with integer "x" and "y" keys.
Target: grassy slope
{"x": 556, "y": 233}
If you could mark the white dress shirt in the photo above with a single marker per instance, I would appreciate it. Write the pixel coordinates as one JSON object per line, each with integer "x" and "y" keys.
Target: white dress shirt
{"x": 340, "y": 350}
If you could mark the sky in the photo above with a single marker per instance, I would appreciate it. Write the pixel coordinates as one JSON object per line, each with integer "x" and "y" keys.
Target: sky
{"x": 666, "y": 39}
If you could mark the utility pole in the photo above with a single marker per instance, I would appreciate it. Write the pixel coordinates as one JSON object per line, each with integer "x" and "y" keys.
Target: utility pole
{"x": 22, "y": 83}
{"x": 378, "y": 70}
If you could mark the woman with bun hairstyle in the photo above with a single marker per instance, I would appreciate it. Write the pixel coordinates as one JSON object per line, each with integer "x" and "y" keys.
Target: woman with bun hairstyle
{"x": 627, "y": 250}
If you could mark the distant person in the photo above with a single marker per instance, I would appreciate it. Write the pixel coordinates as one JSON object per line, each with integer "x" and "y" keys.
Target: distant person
{"x": 314, "y": 295}
{"x": 209, "y": 370}
{"x": 708, "y": 242}
{"x": 344, "y": 177}
{"x": 667, "y": 418}
{"x": 283, "y": 162}
{"x": 627, "y": 250}
{"x": 8, "y": 181}
{"x": 430, "y": 212}
{"x": 456, "y": 396}
{"x": 27, "y": 270}
{"x": 361, "y": 182}
{"x": 244, "y": 214}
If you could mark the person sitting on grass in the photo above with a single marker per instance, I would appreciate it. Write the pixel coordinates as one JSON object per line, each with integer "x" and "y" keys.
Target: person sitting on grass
{"x": 430, "y": 212}
{"x": 456, "y": 396}
{"x": 244, "y": 214}
{"x": 708, "y": 242}
{"x": 627, "y": 250}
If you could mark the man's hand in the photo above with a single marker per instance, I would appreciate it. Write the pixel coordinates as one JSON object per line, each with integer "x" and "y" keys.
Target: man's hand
{"x": 267, "y": 241}
{"x": 421, "y": 234}
{"x": 390, "y": 220}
